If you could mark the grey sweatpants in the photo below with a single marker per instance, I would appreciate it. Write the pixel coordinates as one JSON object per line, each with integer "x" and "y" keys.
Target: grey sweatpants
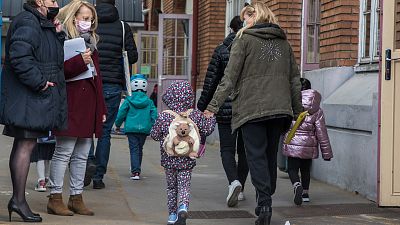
{"x": 73, "y": 151}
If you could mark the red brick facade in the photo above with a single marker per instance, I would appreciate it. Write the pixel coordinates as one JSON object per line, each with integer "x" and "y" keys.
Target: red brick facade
{"x": 211, "y": 32}
{"x": 289, "y": 13}
{"x": 339, "y": 32}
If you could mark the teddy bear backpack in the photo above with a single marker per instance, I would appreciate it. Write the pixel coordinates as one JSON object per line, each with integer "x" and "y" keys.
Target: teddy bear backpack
{"x": 183, "y": 137}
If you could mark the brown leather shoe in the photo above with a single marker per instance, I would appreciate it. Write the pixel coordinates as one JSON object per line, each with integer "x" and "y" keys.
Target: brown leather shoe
{"x": 77, "y": 205}
{"x": 56, "y": 206}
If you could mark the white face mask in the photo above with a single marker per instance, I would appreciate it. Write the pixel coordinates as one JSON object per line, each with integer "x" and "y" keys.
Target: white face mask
{"x": 244, "y": 23}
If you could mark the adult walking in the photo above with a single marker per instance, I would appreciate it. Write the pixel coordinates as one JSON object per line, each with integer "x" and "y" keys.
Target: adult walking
{"x": 33, "y": 96}
{"x": 86, "y": 112}
{"x": 110, "y": 53}
{"x": 263, "y": 75}
{"x": 230, "y": 143}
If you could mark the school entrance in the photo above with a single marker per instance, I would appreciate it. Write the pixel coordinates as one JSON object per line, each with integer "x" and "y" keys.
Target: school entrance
{"x": 166, "y": 55}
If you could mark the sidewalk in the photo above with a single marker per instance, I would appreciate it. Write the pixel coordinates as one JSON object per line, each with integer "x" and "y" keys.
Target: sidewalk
{"x": 144, "y": 202}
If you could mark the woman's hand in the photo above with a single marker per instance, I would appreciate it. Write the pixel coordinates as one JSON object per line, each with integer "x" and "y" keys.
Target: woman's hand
{"x": 208, "y": 114}
{"x": 48, "y": 84}
{"x": 104, "y": 118}
{"x": 58, "y": 25}
{"x": 87, "y": 56}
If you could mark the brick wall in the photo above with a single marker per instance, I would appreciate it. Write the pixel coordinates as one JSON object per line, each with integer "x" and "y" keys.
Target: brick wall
{"x": 339, "y": 32}
{"x": 151, "y": 19}
{"x": 211, "y": 32}
{"x": 289, "y": 13}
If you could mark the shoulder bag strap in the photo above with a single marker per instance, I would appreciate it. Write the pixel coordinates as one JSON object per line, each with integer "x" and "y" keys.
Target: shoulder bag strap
{"x": 123, "y": 35}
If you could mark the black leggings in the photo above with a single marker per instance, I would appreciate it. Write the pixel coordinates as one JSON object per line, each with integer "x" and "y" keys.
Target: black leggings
{"x": 304, "y": 165}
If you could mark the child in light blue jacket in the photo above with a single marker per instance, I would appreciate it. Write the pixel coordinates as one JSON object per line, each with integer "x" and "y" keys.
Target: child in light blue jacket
{"x": 139, "y": 114}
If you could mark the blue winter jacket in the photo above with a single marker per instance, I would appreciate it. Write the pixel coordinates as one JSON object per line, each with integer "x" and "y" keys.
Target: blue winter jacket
{"x": 138, "y": 112}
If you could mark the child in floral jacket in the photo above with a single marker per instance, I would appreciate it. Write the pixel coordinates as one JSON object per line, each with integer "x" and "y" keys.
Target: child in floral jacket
{"x": 179, "y": 98}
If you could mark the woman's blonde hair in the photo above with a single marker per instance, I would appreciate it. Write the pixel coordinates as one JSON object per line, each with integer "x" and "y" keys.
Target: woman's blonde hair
{"x": 262, "y": 15}
{"x": 68, "y": 14}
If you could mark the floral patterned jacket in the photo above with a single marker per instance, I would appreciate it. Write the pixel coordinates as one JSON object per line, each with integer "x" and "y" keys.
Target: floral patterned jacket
{"x": 179, "y": 97}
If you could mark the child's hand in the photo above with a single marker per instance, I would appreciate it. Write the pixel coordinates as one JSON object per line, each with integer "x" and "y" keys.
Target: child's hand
{"x": 208, "y": 114}
{"x": 118, "y": 129}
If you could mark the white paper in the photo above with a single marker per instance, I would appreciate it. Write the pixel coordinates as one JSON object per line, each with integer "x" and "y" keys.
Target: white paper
{"x": 72, "y": 48}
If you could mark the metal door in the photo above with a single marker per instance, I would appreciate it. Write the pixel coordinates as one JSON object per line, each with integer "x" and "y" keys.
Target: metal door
{"x": 174, "y": 51}
{"x": 148, "y": 57}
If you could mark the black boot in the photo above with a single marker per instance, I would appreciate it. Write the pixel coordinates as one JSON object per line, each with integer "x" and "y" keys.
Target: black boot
{"x": 264, "y": 214}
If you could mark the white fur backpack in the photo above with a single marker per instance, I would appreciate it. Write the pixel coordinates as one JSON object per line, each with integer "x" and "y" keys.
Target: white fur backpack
{"x": 183, "y": 137}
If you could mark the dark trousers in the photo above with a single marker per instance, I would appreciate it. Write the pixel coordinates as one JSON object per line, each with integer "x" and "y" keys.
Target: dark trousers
{"x": 262, "y": 140}
{"x": 112, "y": 97}
{"x": 229, "y": 145}
{"x": 304, "y": 165}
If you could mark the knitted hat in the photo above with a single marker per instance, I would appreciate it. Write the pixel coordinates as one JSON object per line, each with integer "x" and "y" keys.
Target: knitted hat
{"x": 139, "y": 83}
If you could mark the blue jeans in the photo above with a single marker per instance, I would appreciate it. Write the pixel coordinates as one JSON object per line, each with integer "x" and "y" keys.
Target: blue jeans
{"x": 136, "y": 142}
{"x": 112, "y": 97}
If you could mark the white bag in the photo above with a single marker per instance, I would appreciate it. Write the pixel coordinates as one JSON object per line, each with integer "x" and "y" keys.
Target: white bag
{"x": 126, "y": 63}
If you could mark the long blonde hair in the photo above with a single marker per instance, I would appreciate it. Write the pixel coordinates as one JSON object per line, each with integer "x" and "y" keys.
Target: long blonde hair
{"x": 262, "y": 15}
{"x": 68, "y": 14}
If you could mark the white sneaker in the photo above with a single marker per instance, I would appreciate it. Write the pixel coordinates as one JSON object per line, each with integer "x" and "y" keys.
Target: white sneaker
{"x": 233, "y": 192}
{"x": 41, "y": 186}
{"x": 241, "y": 197}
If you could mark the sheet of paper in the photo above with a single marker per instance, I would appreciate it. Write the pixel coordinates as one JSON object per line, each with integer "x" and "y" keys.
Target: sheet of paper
{"x": 72, "y": 48}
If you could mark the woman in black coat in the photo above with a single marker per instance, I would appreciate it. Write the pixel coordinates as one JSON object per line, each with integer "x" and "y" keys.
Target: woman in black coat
{"x": 230, "y": 143}
{"x": 33, "y": 95}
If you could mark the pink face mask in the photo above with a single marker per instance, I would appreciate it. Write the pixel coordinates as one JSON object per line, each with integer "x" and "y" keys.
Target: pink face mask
{"x": 83, "y": 26}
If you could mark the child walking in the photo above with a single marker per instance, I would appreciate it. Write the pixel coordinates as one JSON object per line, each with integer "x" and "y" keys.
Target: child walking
{"x": 139, "y": 114}
{"x": 42, "y": 154}
{"x": 178, "y": 169}
{"x": 304, "y": 145}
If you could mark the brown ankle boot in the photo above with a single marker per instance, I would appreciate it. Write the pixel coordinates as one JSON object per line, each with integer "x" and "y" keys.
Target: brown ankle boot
{"x": 56, "y": 206}
{"x": 77, "y": 205}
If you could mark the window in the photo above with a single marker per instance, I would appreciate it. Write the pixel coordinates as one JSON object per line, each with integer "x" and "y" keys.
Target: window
{"x": 369, "y": 31}
{"x": 311, "y": 32}
{"x": 233, "y": 8}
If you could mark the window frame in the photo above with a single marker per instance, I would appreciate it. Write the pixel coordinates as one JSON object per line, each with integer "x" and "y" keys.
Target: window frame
{"x": 317, "y": 27}
{"x": 233, "y": 8}
{"x": 373, "y": 50}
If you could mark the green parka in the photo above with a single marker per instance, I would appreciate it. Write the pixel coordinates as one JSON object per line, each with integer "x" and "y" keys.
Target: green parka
{"x": 262, "y": 76}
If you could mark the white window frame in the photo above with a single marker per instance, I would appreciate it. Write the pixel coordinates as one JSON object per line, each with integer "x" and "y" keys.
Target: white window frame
{"x": 233, "y": 8}
{"x": 373, "y": 36}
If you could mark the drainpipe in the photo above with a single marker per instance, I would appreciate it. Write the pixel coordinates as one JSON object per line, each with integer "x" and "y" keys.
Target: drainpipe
{"x": 194, "y": 72}
{"x": 379, "y": 105}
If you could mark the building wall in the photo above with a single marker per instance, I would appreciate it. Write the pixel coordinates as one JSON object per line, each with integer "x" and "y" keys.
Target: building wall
{"x": 211, "y": 33}
{"x": 289, "y": 14}
{"x": 339, "y": 33}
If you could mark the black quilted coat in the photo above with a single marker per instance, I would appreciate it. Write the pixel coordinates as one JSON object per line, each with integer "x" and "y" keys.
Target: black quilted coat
{"x": 215, "y": 72}
{"x": 33, "y": 55}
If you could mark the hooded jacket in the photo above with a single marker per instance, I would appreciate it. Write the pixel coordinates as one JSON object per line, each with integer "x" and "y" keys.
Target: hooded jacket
{"x": 215, "y": 72}
{"x": 262, "y": 76}
{"x": 138, "y": 112}
{"x": 34, "y": 54}
{"x": 312, "y": 132}
{"x": 179, "y": 98}
{"x": 110, "y": 44}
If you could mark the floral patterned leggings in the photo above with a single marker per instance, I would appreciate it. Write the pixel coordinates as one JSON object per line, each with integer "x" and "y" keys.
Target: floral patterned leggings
{"x": 178, "y": 183}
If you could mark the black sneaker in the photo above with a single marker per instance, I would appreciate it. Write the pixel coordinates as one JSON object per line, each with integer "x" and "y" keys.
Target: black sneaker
{"x": 98, "y": 184}
{"x": 305, "y": 197}
{"x": 265, "y": 214}
{"x": 298, "y": 191}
